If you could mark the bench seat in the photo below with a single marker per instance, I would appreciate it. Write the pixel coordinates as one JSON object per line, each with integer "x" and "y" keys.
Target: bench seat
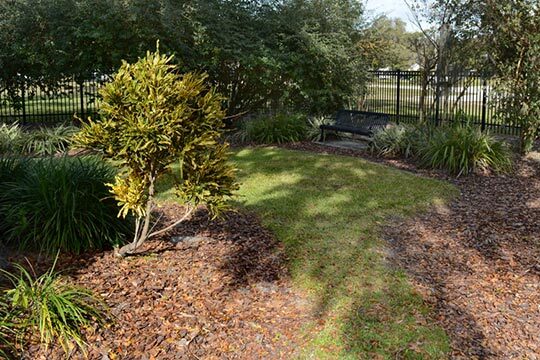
{"x": 357, "y": 122}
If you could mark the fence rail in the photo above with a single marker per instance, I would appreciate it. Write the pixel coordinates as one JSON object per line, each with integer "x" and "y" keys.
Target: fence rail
{"x": 409, "y": 96}
{"x": 61, "y": 103}
{"x": 405, "y": 95}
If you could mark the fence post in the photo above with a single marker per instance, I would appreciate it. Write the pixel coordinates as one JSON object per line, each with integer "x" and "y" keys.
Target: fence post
{"x": 23, "y": 96}
{"x": 398, "y": 94}
{"x": 81, "y": 94}
{"x": 437, "y": 99}
{"x": 484, "y": 103}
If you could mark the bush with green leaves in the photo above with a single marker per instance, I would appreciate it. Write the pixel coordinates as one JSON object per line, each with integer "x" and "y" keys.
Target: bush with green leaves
{"x": 48, "y": 308}
{"x": 151, "y": 118}
{"x": 276, "y": 129}
{"x": 303, "y": 54}
{"x": 314, "y": 126}
{"x": 462, "y": 150}
{"x": 42, "y": 141}
{"x": 511, "y": 30}
{"x": 398, "y": 140}
{"x": 52, "y": 204}
{"x": 45, "y": 141}
{"x": 11, "y": 138}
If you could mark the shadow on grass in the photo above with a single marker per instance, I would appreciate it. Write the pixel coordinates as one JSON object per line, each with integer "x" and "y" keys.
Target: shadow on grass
{"x": 326, "y": 210}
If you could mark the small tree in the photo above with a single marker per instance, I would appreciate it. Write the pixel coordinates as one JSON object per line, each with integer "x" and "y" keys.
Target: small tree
{"x": 151, "y": 118}
{"x": 513, "y": 27}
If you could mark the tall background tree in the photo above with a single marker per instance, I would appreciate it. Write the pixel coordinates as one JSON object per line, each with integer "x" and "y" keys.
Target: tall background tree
{"x": 505, "y": 35}
{"x": 513, "y": 32}
{"x": 298, "y": 54}
{"x": 389, "y": 43}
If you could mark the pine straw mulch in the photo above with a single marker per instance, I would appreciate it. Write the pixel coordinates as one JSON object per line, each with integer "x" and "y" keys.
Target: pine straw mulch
{"x": 225, "y": 294}
{"x": 477, "y": 260}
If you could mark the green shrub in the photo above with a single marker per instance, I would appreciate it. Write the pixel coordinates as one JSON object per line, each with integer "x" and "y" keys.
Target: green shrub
{"x": 47, "y": 141}
{"x": 276, "y": 129}
{"x": 43, "y": 141}
{"x": 11, "y": 139}
{"x": 155, "y": 120}
{"x": 6, "y": 330}
{"x": 314, "y": 127}
{"x": 60, "y": 204}
{"x": 463, "y": 149}
{"x": 47, "y": 306}
{"x": 399, "y": 140}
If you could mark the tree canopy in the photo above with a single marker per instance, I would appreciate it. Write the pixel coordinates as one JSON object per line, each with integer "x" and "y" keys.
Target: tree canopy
{"x": 392, "y": 44}
{"x": 292, "y": 53}
{"x": 500, "y": 38}
{"x": 152, "y": 118}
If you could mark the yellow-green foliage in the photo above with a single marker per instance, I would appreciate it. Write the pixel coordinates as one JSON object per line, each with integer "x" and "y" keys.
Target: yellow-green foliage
{"x": 151, "y": 117}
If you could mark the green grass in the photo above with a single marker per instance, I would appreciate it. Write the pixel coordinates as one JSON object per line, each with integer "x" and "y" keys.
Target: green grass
{"x": 327, "y": 211}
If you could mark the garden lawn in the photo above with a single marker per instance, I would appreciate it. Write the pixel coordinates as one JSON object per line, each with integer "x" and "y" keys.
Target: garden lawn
{"x": 327, "y": 211}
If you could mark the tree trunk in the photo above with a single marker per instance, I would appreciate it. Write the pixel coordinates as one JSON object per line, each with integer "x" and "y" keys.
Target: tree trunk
{"x": 139, "y": 239}
{"x": 527, "y": 138}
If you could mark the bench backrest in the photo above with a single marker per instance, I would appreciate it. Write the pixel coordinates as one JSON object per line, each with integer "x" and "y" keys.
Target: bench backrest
{"x": 367, "y": 121}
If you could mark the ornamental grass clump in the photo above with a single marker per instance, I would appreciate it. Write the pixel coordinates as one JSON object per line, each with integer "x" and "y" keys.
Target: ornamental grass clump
{"x": 46, "y": 141}
{"x": 151, "y": 118}
{"x": 47, "y": 309}
{"x": 52, "y": 204}
{"x": 43, "y": 141}
{"x": 11, "y": 138}
{"x": 276, "y": 129}
{"x": 462, "y": 150}
{"x": 398, "y": 140}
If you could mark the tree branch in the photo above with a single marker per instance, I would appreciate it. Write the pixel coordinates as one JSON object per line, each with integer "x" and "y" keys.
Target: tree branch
{"x": 186, "y": 215}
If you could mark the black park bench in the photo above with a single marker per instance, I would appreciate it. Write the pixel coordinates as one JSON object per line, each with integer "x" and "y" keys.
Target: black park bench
{"x": 357, "y": 122}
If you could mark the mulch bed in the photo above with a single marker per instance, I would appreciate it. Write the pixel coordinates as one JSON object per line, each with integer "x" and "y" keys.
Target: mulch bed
{"x": 222, "y": 294}
{"x": 477, "y": 260}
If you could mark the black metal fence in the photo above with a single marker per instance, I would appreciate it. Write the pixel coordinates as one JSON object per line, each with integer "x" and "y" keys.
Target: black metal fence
{"x": 407, "y": 96}
{"x": 61, "y": 103}
{"x": 413, "y": 95}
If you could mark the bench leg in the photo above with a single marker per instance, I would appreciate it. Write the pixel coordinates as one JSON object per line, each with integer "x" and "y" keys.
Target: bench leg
{"x": 322, "y": 134}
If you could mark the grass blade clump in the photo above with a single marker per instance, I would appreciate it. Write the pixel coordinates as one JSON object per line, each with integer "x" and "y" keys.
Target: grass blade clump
{"x": 7, "y": 333}
{"x": 314, "y": 127}
{"x": 47, "y": 308}
{"x": 277, "y": 129}
{"x": 11, "y": 138}
{"x": 61, "y": 204}
{"x": 46, "y": 141}
{"x": 462, "y": 150}
{"x": 398, "y": 140}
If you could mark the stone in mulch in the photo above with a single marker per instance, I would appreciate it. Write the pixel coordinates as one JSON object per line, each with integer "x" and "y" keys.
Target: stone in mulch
{"x": 219, "y": 291}
{"x": 477, "y": 260}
